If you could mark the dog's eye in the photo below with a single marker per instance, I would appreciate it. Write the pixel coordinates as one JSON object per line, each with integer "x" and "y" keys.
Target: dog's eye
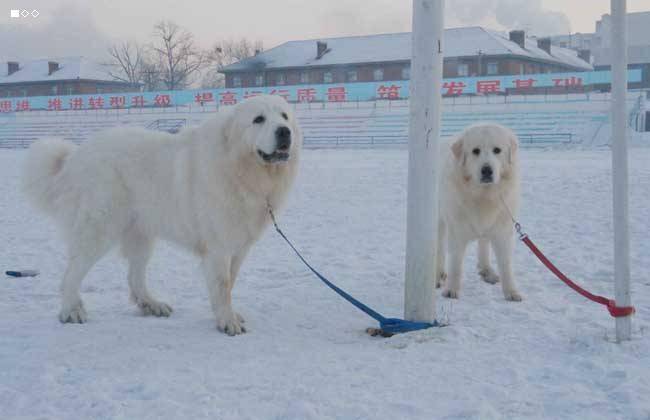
{"x": 285, "y": 116}
{"x": 496, "y": 150}
{"x": 259, "y": 119}
{"x": 476, "y": 151}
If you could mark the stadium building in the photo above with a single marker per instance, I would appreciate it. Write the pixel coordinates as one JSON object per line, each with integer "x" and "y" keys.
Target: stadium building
{"x": 469, "y": 51}
{"x": 58, "y": 76}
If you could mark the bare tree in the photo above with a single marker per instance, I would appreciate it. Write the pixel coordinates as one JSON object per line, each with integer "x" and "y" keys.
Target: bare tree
{"x": 224, "y": 53}
{"x": 151, "y": 75}
{"x": 126, "y": 61}
{"x": 178, "y": 59}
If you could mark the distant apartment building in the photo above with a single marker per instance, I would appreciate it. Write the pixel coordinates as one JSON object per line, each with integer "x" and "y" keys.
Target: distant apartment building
{"x": 577, "y": 41}
{"x": 597, "y": 45}
{"x": 468, "y": 51}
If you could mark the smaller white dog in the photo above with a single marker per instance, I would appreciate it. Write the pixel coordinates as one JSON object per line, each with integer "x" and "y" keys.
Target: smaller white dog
{"x": 480, "y": 178}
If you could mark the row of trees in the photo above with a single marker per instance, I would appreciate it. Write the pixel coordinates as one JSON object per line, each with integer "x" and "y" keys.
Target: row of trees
{"x": 173, "y": 60}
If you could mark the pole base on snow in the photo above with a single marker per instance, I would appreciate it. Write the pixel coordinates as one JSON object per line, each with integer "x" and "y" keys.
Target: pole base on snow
{"x": 392, "y": 326}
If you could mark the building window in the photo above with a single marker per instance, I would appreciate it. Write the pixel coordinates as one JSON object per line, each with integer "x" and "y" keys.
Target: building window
{"x": 378, "y": 74}
{"x": 236, "y": 81}
{"x": 463, "y": 70}
{"x": 406, "y": 73}
{"x": 327, "y": 77}
{"x": 280, "y": 79}
{"x": 352, "y": 75}
{"x": 259, "y": 79}
{"x": 304, "y": 77}
{"x": 55, "y": 90}
{"x": 492, "y": 67}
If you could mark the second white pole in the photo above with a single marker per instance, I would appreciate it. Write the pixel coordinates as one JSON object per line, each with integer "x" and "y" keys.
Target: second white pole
{"x": 620, "y": 166}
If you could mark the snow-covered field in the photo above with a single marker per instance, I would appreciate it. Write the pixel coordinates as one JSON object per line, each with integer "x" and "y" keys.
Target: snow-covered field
{"x": 306, "y": 355}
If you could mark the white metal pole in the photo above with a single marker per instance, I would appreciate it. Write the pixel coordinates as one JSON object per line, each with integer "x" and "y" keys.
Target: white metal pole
{"x": 424, "y": 130}
{"x": 620, "y": 165}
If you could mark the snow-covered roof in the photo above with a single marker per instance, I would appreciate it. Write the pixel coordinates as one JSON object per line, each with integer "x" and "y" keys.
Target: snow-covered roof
{"x": 70, "y": 68}
{"x": 459, "y": 42}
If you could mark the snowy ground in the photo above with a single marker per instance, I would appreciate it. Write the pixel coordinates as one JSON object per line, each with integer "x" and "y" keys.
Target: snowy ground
{"x": 306, "y": 355}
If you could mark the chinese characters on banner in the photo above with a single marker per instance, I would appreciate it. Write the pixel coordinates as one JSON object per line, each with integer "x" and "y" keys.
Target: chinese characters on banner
{"x": 388, "y": 92}
{"x": 336, "y": 94}
{"x": 360, "y": 91}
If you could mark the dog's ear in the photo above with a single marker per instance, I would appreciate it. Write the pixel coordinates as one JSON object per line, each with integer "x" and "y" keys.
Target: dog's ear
{"x": 457, "y": 150}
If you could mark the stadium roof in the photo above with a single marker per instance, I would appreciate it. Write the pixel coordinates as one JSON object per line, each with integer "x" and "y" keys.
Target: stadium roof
{"x": 459, "y": 42}
{"x": 70, "y": 68}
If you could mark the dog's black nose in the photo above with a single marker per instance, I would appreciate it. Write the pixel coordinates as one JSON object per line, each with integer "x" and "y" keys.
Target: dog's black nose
{"x": 486, "y": 173}
{"x": 283, "y": 138}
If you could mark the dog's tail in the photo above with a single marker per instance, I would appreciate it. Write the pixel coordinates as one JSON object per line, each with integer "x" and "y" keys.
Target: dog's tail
{"x": 41, "y": 179}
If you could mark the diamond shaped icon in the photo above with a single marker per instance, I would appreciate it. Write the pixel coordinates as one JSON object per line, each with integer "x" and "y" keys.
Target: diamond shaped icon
{"x": 24, "y": 13}
{"x": 35, "y": 13}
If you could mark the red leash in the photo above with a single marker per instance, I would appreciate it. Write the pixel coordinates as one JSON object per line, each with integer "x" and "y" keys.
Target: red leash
{"x": 615, "y": 311}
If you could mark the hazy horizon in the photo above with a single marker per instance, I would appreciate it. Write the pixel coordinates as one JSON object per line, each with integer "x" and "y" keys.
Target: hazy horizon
{"x": 77, "y": 27}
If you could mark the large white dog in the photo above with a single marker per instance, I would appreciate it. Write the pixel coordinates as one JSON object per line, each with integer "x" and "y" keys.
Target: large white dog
{"x": 480, "y": 178}
{"x": 206, "y": 189}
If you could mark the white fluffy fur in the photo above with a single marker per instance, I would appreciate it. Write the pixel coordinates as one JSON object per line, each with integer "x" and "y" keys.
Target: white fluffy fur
{"x": 205, "y": 188}
{"x": 472, "y": 210}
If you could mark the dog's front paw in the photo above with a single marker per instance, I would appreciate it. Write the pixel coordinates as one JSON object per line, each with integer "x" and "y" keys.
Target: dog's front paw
{"x": 231, "y": 324}
{"x": 441, "y": 279}
{"x": 451, "y": 293}
{"x": 155, "y": 308}
{"x": 74, "y": 315}
{"x": 513, "y": 295}
{"x": 488, "y": 275}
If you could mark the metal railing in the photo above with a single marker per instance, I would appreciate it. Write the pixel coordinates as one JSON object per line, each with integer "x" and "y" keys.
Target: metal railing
{"x": 345, "y": 141}
{"x": 530, "y": 139}
{"x": 545, "y": 138}
{"x": 170, "y": 125}
{"x": 19, "y": 143}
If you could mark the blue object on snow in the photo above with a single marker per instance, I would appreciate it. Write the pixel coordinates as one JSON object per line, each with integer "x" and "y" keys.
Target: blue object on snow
{"x": 396, "y": 325}
{"x": 23, "y": 273}
{"x": 388, "y": 326}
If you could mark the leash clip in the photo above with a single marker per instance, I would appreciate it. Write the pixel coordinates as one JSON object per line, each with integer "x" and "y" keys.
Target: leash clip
{"x": 270, "y": 210}
{"x": 518, "y": 228}
{"x": 522, "y": 235}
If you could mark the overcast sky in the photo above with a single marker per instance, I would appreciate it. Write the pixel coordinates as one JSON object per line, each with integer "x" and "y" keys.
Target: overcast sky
{"x": 85, "y": 27}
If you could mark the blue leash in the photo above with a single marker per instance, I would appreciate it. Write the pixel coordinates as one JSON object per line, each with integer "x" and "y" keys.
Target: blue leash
{"x": 388, "y": 326}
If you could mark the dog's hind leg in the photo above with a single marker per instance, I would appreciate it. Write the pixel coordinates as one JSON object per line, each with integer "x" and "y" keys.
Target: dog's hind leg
{"x": 136, "y": 248}
{"x": 82, "y": 256}
{"x": 485, "y": 270}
